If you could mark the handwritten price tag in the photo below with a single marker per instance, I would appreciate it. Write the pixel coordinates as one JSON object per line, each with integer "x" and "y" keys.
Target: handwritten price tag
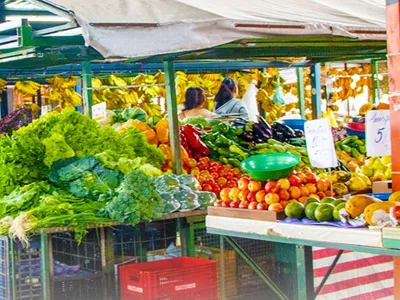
{"x": 99, "y": 112}
{"x": 320, "y": 146}
{"x": 378, "y": 136}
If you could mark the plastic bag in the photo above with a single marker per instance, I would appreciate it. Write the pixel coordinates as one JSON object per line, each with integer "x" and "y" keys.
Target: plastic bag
{"x": 186, "y": 198}
{"x": 250, "y": 101}
{"x": 206, "y": 199}
{"x": 171, "y": 205}
{"x": 167, "y": 184}
{"x": 189, "y": 181}
{"x": 278, "y": 97}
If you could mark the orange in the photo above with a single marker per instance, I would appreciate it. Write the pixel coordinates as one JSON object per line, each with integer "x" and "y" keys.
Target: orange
{"x": 284, "y": 195}
{"x": 271, "y": 198}
{"x": 284, "y": 203}
{"x": 311, "y": 188}
{"x": 295, "y": 192}
{"x": 322, "y": 185}
{"x": 304, "y": 191}
{"x": 303, "y": 199}
{"x": 276, "y": 207}
{"x": 284, "y": 183}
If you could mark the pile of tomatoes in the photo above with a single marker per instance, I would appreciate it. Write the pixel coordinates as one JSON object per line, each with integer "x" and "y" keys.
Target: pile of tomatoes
{"x": 213, "y": 176}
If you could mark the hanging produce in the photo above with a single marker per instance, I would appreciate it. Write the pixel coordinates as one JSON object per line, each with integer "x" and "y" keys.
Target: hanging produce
{"x": 27, "y": 88}
{"x": 62, "y": 91}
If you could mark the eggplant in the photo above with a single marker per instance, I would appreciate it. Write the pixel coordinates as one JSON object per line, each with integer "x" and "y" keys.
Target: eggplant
{"x": 289, "y": 132}
{"x": 264, "y": 123}
{"x": 281, "y": 137}
{"x": 299, "y": 133}
{"x": 240, "y": 122}
{"x": 259, "y": 131}
{"x": 248, "y": 136}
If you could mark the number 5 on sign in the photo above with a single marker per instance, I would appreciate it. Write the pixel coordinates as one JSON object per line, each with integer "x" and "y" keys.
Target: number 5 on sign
{"x": 378, "y": 138}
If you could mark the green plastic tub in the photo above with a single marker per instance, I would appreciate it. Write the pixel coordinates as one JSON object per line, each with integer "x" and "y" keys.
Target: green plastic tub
{"x": 272, "y": 166}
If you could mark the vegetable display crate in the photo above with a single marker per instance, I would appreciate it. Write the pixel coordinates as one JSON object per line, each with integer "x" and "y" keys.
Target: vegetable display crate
{"x": 4, "y": 269}
{"x": 175, "y": 278}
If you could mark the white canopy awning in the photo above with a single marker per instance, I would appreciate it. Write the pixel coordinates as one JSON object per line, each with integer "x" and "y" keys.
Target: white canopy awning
{"x": 122, "y": 28}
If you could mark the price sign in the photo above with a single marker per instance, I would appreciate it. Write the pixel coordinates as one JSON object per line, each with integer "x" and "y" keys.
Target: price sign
{"x": 45, "y": 109}
{"x": 320, "y": 146}
{"x": 378, "y": 136}
{"x": 99, "y": 112}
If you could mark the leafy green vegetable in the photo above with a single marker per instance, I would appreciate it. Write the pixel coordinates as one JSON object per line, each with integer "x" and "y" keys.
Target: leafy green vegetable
{"x": 196, "y": 121}
{"x": 85, "y": 177}
{"x": 25, "y": 156}
{"x": 56, "y": 149}
{"x": 131, "y": 113}
{"x": 136, "y": 199}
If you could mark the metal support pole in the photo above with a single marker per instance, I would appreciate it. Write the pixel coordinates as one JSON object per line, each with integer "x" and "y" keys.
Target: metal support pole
{"x": 78, "y": 89}
{"x": 13, "y": 279}
{"x": 278, "y": 292}
{"x": 304, "y": 270}
{"x": 172, "y": 108}
{"x": 45, "y": 265}
{"x": 375, "y": 82}
{"x": 4, "y": 104}
{"x": 328, "y": 273}
{"x": 300, "y": 90}
{"x": 316, "y": 91}
{"x": 87, "y": 85}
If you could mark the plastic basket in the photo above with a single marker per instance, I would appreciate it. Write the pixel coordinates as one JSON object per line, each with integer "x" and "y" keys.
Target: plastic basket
{"x": 357, "y": 129}
{"x": 171, "y": 279}
{"x": 295, "y": 123}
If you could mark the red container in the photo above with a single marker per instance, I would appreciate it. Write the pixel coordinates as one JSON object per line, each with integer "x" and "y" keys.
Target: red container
{"x": 356, "y": 126}
{"x": 171, "y": 279}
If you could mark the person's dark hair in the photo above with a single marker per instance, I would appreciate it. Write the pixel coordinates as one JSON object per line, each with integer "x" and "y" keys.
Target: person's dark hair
{"x": 225, "y": 92}
{"x": 195, "y": 97}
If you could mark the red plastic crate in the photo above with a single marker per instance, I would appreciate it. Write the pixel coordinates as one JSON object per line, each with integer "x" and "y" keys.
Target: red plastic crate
{"x": 171, "y": 279}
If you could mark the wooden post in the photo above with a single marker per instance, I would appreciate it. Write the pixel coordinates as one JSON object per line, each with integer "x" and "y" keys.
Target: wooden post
{"x": 393, "y": 50}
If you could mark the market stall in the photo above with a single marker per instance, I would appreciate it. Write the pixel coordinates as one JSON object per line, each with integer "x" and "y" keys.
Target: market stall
{"x": 227, "y": 145}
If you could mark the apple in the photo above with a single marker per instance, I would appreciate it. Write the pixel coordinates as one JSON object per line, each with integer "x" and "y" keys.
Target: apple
{"x": 254, "y": 186}
{"x": 303, "y": 177}
{"x": 251, "y": 196}
{"x": 260, "y": 196}
{"x": 271, "y": 187}
{"x": 294, "y": 180}
{"x": 321, "y": 195}
{"x": 284, "y": 184}
{"x": 312, "y": 178}
{"x": 244, "y": 204}
{"x": 262, "y": 206}
{"x": 253, "y": 205}
{"x": 226, "y": 203}
{"x": 218, "y": 203}
{"x": 322, "y": 185}
{"x": 329, "y": 193}
{"x": 224, "y": 194}
{"x": 284, "y": 195}
{"x": 306, "y": 170}
{"x": 235, "y": 204}
{"x": 243, "y": 183}
{"x": 272, "y": 198}
{"x": 243, "y": 195}
{"x": 234, "y": 194}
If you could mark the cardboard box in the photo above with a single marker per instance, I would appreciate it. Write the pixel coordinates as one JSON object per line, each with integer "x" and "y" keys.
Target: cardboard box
{"x": 382, "y": 187}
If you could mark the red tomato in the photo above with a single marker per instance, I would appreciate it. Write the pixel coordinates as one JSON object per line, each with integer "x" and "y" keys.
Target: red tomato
{"x": 231, "y": 184}
{"x": 216, "y": 189}
{"x": 207, "y": 187}
{"x": 204, "y": 160}
{"x": 201, "y": 166}
{"x": 236, "y": 172}
{"x": 229, "y": 175}
{"x": 214, "y": 175}
{"x": 213, "y": 169}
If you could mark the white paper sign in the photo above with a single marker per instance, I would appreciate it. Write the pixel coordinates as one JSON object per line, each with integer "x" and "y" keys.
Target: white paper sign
{"x": 44, "y": 109}
{"x": 320, "y": 146}
{"x": 99, "y": 112}
{"x": 378, "y": 136}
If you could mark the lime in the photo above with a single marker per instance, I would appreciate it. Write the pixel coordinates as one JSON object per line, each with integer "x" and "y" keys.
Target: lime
{"x": 337, "y": 209}
{"x": 327, "y": 200}
{"x": 337, "y": 202}
{"x": 324, "y": 212}
{"x": 310, "y": 210}
{"x": 310, "y": 200}
{"x": 295, "y": 210}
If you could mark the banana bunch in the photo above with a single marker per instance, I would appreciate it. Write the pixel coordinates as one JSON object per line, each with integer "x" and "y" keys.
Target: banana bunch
{"x": 118, "y": 97}
{"x": 351, "y": 82}
{"x": 3, "y": 84}
{"x": 62, "y": 91}
{"x": 152, "y": 109}
{"x": 27, "y": 88}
